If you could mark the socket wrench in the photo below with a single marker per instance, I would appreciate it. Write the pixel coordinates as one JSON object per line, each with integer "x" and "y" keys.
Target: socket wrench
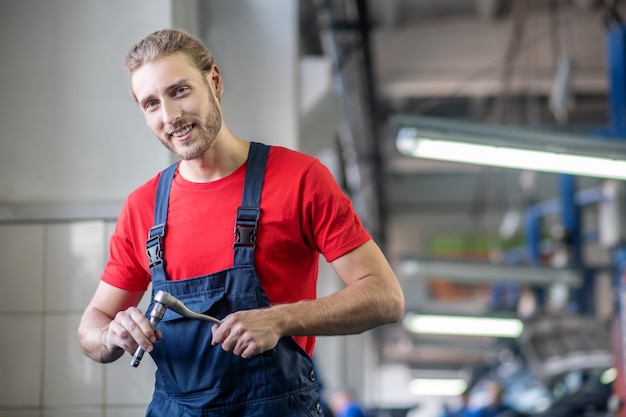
{"x": 163, "y": 301}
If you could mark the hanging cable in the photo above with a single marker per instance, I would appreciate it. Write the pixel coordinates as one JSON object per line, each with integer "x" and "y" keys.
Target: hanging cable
{"x": 518, "y": 22}
{"x": 611, "y": 15}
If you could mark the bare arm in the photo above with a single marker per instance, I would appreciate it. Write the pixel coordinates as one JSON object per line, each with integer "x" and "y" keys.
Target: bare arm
{"x": 112, "y": 324}
{"x": 372, "y": 297}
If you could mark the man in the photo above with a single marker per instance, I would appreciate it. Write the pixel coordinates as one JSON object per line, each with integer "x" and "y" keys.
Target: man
{"x": 496, "y": 406}
{"x": 345, "y": 404}
{"x": 176, "y": 231}
{"x": 463, "y": 409}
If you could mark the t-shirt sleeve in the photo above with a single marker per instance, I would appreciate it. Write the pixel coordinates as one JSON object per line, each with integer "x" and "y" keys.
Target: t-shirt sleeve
{"x": 333, "y": 223}
{"x": 126, "y": 268}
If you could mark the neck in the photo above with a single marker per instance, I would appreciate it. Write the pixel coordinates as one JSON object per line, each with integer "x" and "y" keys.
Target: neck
{"x": 223, "y": 157}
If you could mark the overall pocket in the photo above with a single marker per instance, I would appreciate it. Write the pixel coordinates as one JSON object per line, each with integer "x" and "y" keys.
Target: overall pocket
{"x": 188, "y": 363}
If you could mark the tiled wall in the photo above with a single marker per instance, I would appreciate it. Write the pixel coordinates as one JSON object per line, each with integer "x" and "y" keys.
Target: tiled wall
{"x": 48, "y": 272}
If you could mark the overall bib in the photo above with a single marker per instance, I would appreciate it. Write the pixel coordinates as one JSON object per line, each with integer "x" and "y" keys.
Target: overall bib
{"x": 196, "y": 379}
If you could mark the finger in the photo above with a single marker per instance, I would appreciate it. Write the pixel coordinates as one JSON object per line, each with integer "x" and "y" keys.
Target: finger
{"x": 228, "y": 337}
{"x": 131, "y": 328}
{"x": 142, "y": 333}
{"x": 239, "y": 348}
{"x": 118, "y": 338}
{"x": 229, "y": 343}
{"x": 141, "y": 322}
{"x": 250, "y": 350}
{"x": 218, "y": 333}
{"x": 242, "y": 344}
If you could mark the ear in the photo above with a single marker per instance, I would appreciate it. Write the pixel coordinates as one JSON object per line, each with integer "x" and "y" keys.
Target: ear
{"x": 215, "y": 81}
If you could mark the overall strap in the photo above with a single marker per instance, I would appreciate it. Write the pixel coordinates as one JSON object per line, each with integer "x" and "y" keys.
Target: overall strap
{"x": 156, "y": 235}
{"x": 248, "y": 214}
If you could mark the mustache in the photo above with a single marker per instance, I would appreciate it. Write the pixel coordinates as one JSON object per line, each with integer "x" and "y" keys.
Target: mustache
{"x": 180, "y": 124}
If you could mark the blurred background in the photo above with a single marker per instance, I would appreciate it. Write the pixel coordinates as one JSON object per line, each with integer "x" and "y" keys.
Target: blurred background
{"x": 512, "y": 275}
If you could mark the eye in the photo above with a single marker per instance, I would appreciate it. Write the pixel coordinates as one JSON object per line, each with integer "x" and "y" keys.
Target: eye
{"x": 151, "y": 104}
{"x": 180, "y": 90}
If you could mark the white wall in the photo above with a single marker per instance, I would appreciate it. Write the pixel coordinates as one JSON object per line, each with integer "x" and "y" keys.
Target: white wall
{"x": 70, "y": 130}
{"x": 73, "y": 145}
{"x": 256, "y": 46}
{"x": 47, "y": 273}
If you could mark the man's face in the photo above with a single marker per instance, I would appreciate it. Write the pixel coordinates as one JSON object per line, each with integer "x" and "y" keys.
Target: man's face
{"x": 179, "y": 103}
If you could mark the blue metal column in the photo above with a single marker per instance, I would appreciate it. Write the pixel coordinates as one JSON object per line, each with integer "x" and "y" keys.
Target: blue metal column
{"x": 571, "y": 221}
{"x": 619, "y": 328}
{"x": 616, "y": 43}
{"x": 616, "y": 66}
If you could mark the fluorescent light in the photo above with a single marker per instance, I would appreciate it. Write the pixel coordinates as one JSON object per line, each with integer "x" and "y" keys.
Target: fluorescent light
{"x": 450, "y": 387}
{"x": 545, "y": 150}
{"x": 463, "y": 325}
{"x": 608, "y": 376}
{"x": 509, "y": 157}
{"x": 483, "y": 272}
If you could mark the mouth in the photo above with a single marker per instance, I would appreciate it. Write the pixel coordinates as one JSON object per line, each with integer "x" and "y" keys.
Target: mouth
{"x": 181, "y": 133}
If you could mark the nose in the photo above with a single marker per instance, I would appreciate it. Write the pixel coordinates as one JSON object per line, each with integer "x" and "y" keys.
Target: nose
{"x": 171, "y": 111}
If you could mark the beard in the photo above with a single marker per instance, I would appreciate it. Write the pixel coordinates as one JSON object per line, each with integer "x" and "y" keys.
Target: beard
{"x": 202, "y": 136}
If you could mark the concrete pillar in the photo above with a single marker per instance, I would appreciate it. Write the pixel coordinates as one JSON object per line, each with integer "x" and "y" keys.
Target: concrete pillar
{"x": 256, "y": 47}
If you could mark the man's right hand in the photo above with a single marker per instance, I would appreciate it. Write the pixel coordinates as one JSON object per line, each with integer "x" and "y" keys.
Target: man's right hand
{"x": 112, "y": 324}
{"x": 130, "y": 329}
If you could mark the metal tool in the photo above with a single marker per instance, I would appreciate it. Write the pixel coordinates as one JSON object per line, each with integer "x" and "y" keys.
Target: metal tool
{"x": 163, "y": 301}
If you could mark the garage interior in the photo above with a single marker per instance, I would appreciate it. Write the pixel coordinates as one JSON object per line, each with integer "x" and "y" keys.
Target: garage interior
{"x": 486, "y": 241}
{"x": 543, "y": 250}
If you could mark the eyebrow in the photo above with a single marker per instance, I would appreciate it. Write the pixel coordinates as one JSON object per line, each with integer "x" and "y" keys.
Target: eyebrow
{"x": 176, "y": 84}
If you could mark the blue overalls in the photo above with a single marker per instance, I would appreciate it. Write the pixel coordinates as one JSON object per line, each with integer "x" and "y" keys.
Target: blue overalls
{"x": 196, "y": 379}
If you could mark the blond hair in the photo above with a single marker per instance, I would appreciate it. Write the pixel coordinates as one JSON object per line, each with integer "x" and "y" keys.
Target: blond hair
{"x": 165, "y": 42}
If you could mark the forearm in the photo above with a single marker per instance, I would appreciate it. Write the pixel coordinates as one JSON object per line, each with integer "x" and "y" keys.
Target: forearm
{"x": 92, "y": 337}
{"x": 372, "y": 297}
{"x": 365, "y": 304}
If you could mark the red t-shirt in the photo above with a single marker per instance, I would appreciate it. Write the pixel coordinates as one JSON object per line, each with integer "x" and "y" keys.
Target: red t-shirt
{"x": 303, "y": 213}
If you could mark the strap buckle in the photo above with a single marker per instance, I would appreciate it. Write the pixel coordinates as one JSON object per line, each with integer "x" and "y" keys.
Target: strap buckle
{"x": 246, "y": 226}
{"x": 154, "y": 245}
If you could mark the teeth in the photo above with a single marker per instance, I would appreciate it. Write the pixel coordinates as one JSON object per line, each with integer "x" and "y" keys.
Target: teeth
{"x": 181, "y": 132}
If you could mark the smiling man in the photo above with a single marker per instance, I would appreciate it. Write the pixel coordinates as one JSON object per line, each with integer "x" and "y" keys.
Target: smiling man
{"x": 176, "y": 232}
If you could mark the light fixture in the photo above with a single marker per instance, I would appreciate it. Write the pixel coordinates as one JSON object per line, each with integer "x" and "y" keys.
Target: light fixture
{"x": 508, "y": 147}
{"x": 608, "y": 376}
{"x": 472, "y": 272}
{"x": 463, "y": 325}
{"x": 445, "y": 387}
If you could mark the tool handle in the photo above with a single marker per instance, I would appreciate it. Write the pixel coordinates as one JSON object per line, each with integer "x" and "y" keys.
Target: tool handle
{"x": 155, "y": 317}
{"x": 136, "y": 359}
{"x": 179, "y": 307}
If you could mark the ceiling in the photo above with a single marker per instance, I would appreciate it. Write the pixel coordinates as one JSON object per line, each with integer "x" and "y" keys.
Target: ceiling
{"x": 491, "y": 61}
